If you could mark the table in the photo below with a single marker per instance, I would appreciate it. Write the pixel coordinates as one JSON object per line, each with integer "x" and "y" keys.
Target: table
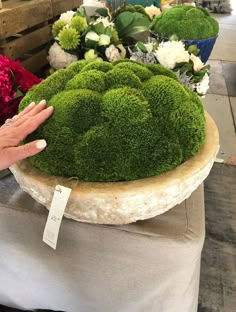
{"x": 150, "y": 265}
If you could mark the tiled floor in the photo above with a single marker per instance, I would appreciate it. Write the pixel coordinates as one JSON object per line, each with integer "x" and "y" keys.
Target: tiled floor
{"x": 220, "y": 101}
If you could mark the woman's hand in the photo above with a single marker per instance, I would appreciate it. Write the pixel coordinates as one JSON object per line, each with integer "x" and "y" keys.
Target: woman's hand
{"x": 15, "y": 130}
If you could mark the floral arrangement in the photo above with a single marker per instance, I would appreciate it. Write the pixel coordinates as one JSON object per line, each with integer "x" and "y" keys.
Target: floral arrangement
{"x": 186, "y": 22}
{"x": 116, "y": 121}
{"x": 15, "y": 81}
{"x": 176, "y": 56}
{"x": 78, "y": 36}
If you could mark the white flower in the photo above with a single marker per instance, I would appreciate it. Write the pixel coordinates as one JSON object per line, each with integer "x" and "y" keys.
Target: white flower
{"x": 104, "y": 20}
{"x": 152, "y": 11}
{"x": 170, "y": 53}
{"x": 197, "y": 63}
{"x": 104, "y": 40}
{"x": 91, "y": 35}
{"x": 113, "y": 54}
{"x": 203, "y": 86}
{"x": 67, "y": 16}
{"x": 58, "y": 58}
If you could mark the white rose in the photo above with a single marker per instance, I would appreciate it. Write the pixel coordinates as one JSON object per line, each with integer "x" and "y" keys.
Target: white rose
{"x": 91, "y": 35}
{"x": 152, "y": 11}
{"x": 58, "y": 58}
{"x": 170, "y": 53}
{"x": 197, "y": 63}
{"x": 67, "y": 16}
{"x": 104, "y": 40}
{"x": 203, "y": 86}
{"x": 113, "y": 54}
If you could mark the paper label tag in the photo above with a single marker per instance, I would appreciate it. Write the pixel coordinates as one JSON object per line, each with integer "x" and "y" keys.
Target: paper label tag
{"x": 52, "y": 227}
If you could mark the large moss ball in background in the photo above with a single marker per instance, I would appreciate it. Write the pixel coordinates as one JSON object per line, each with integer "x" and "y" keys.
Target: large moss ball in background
{"x": 105, "y": 128}
{"x": 186, "y": 22}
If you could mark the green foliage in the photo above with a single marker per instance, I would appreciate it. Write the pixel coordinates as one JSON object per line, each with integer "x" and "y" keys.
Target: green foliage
{"x": 121, "y": 77}
{"x": 125, "y": 106}
{"x": 92, "y": 80}
{"x": 69, "y": 38}
{"x": 186, "y": 22}
{"x": 129, "y": 24}
{"x": 106, "y": 130}
{"x": 76, "y": 67}
{"x": 139, "y": 70}
{"x": 98, "y": 65}
{"x": 47, "y": 88}
{"x": 158, "y": 69}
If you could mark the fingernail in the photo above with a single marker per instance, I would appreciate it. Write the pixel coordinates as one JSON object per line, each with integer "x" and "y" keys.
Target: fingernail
{"x": 50, "y": 108}
{"x": 14, "y": 117}
{"x": 31, "y": 104}
{"x": 42, "y": 102}
{"x": 41, "y": 144}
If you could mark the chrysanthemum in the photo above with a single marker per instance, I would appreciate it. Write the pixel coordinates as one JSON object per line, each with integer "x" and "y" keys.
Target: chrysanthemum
{"x": 69, "y": 38}
{"x": 79, "y": 23}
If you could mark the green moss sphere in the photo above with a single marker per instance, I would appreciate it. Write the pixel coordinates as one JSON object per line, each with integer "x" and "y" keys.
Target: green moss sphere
{"x": 186, "y": 22}
{"x": 107, "y": 129}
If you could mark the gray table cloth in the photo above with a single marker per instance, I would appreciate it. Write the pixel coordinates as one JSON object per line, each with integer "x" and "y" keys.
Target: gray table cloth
{"x": 147, "y": 266}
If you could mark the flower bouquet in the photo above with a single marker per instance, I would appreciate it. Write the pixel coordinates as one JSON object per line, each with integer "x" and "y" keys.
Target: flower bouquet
{"x": 180, "y": 59}
{"x": 78, "y": 36}
{"x": 15, "y": 81}
{"x": 190, "y": 24}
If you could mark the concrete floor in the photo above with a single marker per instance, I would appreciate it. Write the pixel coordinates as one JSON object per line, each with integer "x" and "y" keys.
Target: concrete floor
{"x": 220, "y": 101}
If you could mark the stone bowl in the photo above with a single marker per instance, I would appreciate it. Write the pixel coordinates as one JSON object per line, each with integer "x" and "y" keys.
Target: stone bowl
{"x": 124, "y": 202}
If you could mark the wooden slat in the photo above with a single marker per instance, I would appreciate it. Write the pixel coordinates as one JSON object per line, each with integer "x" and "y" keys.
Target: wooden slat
{"x": 17, "y": 15}
{"x": 36, "y": 61}
{"x": 18, "y": 47}
{"x": 61, "y": 6}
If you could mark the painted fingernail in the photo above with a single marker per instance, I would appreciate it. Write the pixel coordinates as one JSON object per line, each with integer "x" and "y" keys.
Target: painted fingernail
{"x": 50, "y": 108}
{"x": 15, "y": 117}
{"x": 42, "y": 102}
{"x": 41, "y": 144}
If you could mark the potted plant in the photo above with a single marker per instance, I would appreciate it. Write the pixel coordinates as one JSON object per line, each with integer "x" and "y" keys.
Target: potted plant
{"x": 191, "y": 24}
{"x": 118, "y": 129}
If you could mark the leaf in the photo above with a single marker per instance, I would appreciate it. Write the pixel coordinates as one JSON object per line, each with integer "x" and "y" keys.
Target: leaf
{"x": 123, "y": 20}
{"x": 102, "y": 11}
{"x": 18, "y": 93}
{"x": 98, "y": 28}
{"x": 108, "y": 32}
{"x": 81, "y": 12}
{"x": 141, "y": 47}
{"x": 135, "y": 30}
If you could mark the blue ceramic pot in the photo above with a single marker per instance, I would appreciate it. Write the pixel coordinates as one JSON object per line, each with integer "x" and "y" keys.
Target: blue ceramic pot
{"x": 204, "y": 45}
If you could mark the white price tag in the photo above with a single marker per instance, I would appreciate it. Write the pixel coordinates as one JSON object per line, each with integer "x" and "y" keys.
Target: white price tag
{"x": 52, "y": 227}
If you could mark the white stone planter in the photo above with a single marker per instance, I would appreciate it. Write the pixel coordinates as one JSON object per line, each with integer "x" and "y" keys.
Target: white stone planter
{"x": 124, "y": 202}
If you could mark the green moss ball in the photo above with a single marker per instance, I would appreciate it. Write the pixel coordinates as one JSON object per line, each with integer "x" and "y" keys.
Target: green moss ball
{"x": 92, "y": 80}
{"x": 186, "y": 22}
{"x": 103, "y": 129}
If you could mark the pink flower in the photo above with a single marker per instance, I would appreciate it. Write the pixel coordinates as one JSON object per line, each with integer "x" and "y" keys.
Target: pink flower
{"x": 13, "y": 77}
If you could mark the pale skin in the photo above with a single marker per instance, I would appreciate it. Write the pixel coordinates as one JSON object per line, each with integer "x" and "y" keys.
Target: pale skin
{"x": 22, "y": 125}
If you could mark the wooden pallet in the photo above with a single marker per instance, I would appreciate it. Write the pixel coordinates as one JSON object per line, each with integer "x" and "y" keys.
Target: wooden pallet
{"x": 25, "y": 29}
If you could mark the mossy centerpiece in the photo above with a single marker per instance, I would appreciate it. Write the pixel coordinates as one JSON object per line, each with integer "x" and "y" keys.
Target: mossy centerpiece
{"x": 190, "y": 24}
{"x": 112, "y": 124}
